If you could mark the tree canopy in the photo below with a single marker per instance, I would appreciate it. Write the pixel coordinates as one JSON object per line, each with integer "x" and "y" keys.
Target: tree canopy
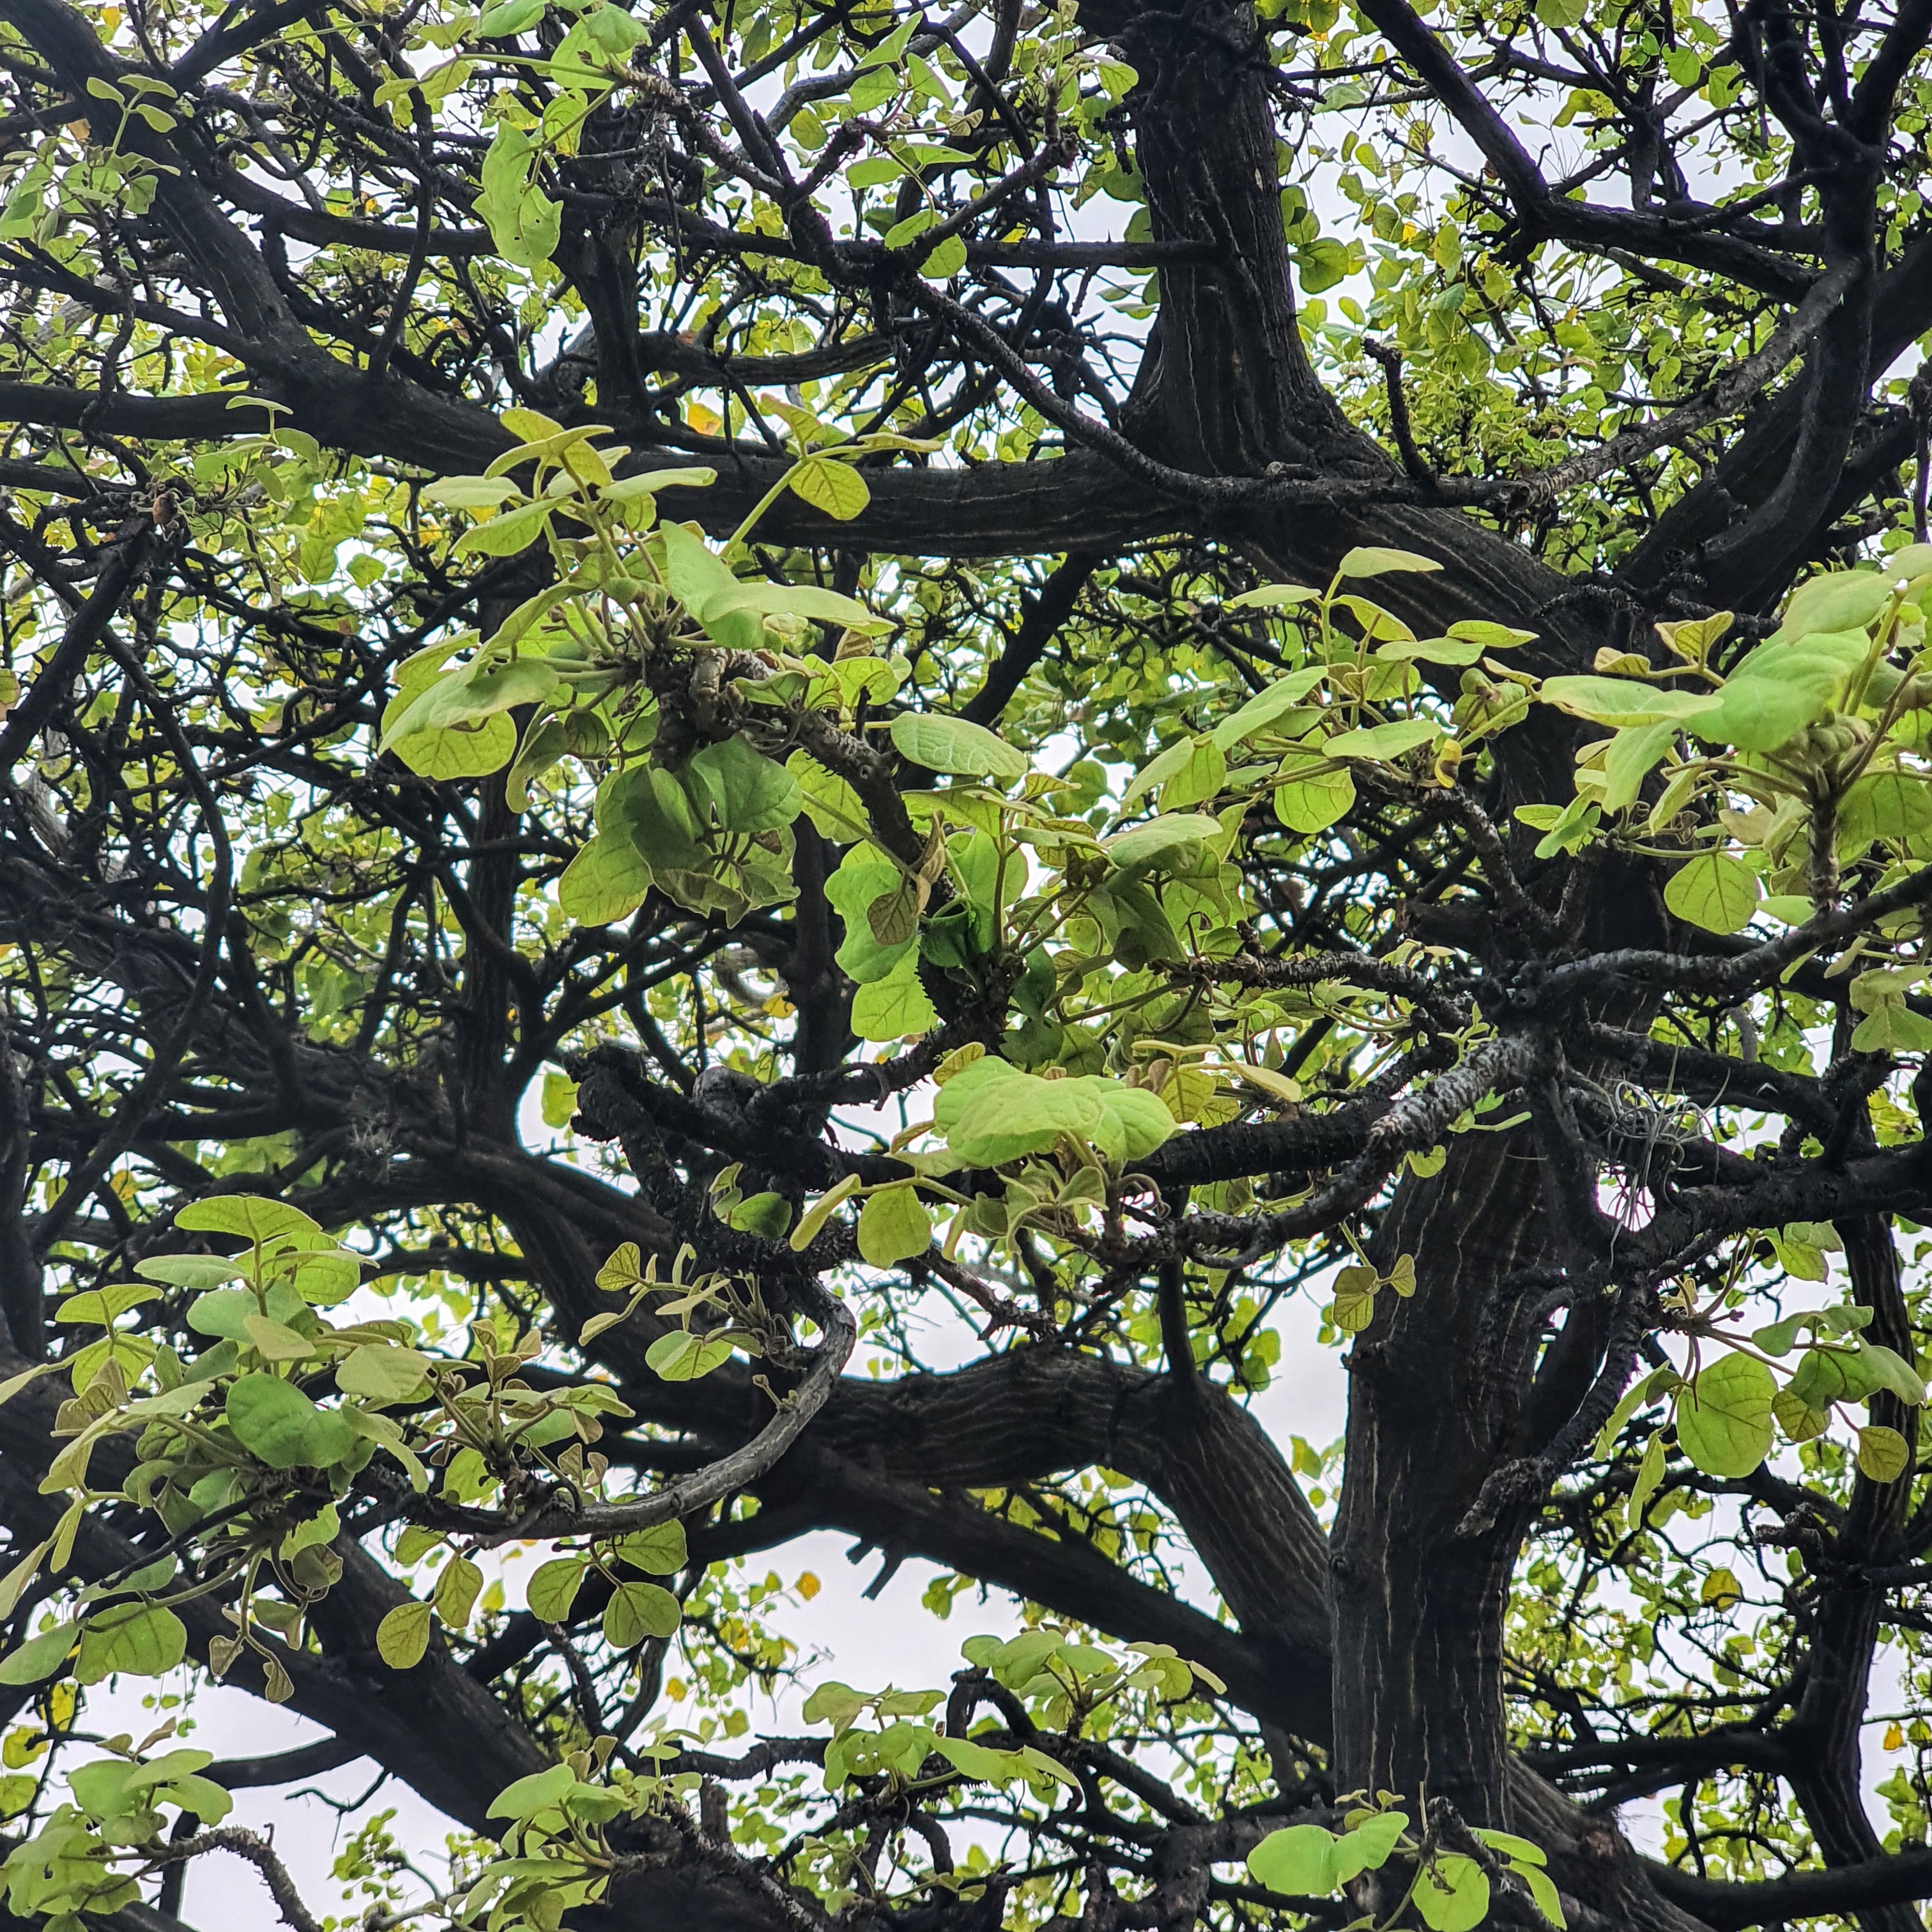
{"x": 710, "y": 705}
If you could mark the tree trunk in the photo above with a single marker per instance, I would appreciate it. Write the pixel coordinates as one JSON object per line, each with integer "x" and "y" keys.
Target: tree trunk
{"x": 1418, "y": 1609}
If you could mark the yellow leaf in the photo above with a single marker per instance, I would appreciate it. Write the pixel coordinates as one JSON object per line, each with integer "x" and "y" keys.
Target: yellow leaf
{"x": 1720, "y": 1589}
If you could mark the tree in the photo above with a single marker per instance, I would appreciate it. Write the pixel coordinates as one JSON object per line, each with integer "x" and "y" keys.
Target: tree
{"x": 636, "y": 563}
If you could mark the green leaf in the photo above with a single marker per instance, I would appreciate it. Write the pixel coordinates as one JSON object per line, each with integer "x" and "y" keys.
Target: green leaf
{"x": 99, "y": 1307}
{"x": 1542, "y": 1889}
{"x": 539, "y": 1792}
{"x": 198, "y": 1271}
{"x": 1720, "y": 1588}
{"x": 895, "y": 1007}
{"x": 402, "y": 1637}
{"x": 1311, "y": 802}
{"x": 458, "y": 1584}
{"x": 1200, "y": 777}
{"x": 1452, "y": 1893}
{"x": 810, "y": 601}
{"x": 250, "y": 1216}
{"x": 278, "y": 1425}
{"x": 1621, "y": 701}
{"x": 1323, "y": 262}
{"x": 470, "y": 493}
{"x": 830, "y": 803}
{"x": 1375, "y": 560}
{"x": 1386, "y": 742}
{"x": 1893, "y": 1372}
{"x": 558, "y": 1100}
{"x": 1630, "y": 759}
{"x": 1297, "y": 1860}
{"x": 1159, "y": 841}
{"x": 815, "y": 1217}
{"x": 1152, "y": 776}
{"x": 683, "y": 1357}
{"x": 1778, "y": 1338}
{"x": 1891, "y": 805}
{"x": 462, "y": 751}
{"x": 650, "y": 482}
{"x": 1265, "y": 706}
{"x": 893, "y": 1226}
{"x": 39, "y": 1657}
{"x": 321, "y": 1278}
{"x": 649, "y": 808}
{"x": 1723, "y": 1418}
{"x": 1369, "y": 1847}
{"x": 865, "y": 876}
{"x": 505, "y": 534}
{"x": 902, "y": 233}
{"x": 1355, "y": 1297}
{"x": 946, "y": 261}
{"x": 1892, "y": 1027}
{"x": 13, "y": 1584}
{"x": 1759, "y": 711}
{"x": 202, "y": 1796}
{"x": 996, "y": 1115}
{"x": 1518, "y": 1851}
{"x": 105, "y": 1788}
{"x": 130, "y": 1640}
{"x": 659, "y": 1550}
{"x": 980, "y": 1762}
{"x": 1842, "y": 600}
{"x": 637, "y": 1611}
{"x": 746, "y": 791}
{"x": 1713, "y": 890}
{"x": 553, "y": 1587}
{"x": 507, "y": 17}
{"x": 524, "y": 224}
{"x": 275, "y": 1341}
{"x": 223, "y": 1312}
{"x": 834, "y": 487}
{"x": 1274, "y": 597}
{"x": 479, "y": 689}
{"x": 607, "y": 881}
{"x": 1491, "y": 637}
{"x": 1826, "y": 1376}
{"x": 992, "y": 1112}
{"x": 1430, "y": 650}
{"x": 765, "y": 1214}
{"x": 943, "y": 744}
{"x": 1649, "y": 1474}
{"x": 1884, "y": 1455}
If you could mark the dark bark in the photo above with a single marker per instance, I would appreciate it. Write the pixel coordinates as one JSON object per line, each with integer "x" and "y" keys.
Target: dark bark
{"x": 1386, "y": 1649}
{"x": 1418, "y": 1603}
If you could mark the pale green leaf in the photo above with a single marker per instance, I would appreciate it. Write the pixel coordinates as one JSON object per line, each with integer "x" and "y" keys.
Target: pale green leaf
{"x": 893, "y": 1226}
{"x": 1452, "y": 1893}
{"x": 1713, "y": 890}
{"x": 1297, "y": 1861}
{"x": 402, "y": 1637}
{"x": 943, "y": 744}
{"x": 1723, "y": 1418}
